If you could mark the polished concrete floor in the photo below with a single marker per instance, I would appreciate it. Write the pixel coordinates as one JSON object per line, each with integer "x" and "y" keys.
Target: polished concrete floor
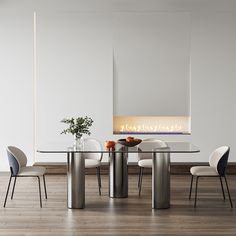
{"x": 105, "y": 216}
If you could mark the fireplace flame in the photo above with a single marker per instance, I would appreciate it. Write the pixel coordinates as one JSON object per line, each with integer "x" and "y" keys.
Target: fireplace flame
{"x": 160, "y": 128}
{"x": 152, "y": 124}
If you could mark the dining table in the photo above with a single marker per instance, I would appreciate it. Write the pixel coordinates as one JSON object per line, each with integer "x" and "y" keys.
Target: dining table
{"x": 118, "y": 169}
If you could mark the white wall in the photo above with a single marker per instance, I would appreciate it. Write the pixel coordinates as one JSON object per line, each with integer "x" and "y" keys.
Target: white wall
{"x": 74, "y": 52}
{"x": 16, "y": 83}
{"x": 213, "y": 64}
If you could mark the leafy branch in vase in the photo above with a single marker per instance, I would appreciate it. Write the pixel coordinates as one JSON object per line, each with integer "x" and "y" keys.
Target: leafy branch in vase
{"x": 77, "y": 126}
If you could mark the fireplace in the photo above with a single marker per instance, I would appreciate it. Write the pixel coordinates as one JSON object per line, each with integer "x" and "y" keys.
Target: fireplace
{"x": 152, "y": 73}
{"x": 151, "y": 125}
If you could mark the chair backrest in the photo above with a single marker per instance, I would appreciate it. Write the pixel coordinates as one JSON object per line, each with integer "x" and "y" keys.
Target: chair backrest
{"x": 219, "y": 159}
{"x": 16, "y": 159}
{"x": 158, "y": 143}
{"x": 93, "y": 145}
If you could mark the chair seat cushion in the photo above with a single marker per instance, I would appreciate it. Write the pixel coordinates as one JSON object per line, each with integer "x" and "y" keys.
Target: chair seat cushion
{"x": 203, "y": 171}
{"x": 92, "y": 163}
{"x": 32, "y": 170}
{"x": 147, "y": 163}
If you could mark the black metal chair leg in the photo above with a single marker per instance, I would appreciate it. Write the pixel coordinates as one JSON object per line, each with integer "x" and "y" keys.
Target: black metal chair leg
{"x": 13, "y": 189}
{"x": 99, "y": 180}
{"x": 191, "y": 186}
{"x": 222, "y": 187}
{"x": 231, "y": 204}
{"x": 8, "y": 187}
{"x": 40, "y": 198}
{"x": 141, "y": 178}
{"x": 45, "y": 189}
{"x": 195, "y": 201}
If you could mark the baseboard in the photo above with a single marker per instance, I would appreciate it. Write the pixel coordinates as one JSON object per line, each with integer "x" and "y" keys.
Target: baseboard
{"x": 177, "y": 168}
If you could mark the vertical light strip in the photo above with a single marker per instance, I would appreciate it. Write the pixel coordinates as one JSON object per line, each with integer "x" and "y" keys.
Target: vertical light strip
{"x": 190, "y": 93}
{"x": 190, "y": 73}
{"x": 34, "y": 88}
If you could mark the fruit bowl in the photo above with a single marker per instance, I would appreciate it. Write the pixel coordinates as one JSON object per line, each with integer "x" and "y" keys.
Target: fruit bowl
{"x": 130, "y": 143}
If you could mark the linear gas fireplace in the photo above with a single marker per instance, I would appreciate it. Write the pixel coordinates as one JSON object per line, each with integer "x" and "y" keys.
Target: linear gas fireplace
{"x": 151, "y": 125}
{"x": 152, "y": 73}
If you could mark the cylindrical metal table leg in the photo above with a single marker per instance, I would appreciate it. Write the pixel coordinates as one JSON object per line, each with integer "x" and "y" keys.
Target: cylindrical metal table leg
{"x": 118, "y": 174}
{"x": 75, "y": 180}
{"x": 161, "y": 181}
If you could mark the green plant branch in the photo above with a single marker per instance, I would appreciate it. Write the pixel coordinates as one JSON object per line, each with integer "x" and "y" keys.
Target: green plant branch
{"x": 77, "y": 126}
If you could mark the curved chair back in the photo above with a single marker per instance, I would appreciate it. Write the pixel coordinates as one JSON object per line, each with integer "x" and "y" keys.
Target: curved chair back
{"x": 16, "y": 159}
{"x": 219, "y": 159}
{"x": 94, "y": 145}
{"x": 158, "y": 143}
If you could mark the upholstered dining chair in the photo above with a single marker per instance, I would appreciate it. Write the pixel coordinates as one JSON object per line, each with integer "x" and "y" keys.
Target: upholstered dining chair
{"x": 145, "y": 160}
{"x": 17, "y": 162}
{"x": 217, "y": 168}
{"x": 93, "y": 160}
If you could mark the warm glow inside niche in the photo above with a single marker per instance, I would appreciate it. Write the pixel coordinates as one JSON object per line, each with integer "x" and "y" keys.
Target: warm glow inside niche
{"x": 151, "y": 125}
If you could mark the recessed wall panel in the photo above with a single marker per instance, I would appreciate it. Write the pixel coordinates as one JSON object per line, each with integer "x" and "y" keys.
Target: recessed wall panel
{"x": 151, "y": 64}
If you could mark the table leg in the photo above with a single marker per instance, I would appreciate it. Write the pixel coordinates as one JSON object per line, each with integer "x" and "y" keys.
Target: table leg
{"x": 75, "y": 180}
{"x": 118, "y": 175}
{"x": 161, "y": 181}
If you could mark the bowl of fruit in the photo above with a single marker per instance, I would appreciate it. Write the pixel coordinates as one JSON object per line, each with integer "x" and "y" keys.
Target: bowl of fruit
{"x": 129, "y": 141}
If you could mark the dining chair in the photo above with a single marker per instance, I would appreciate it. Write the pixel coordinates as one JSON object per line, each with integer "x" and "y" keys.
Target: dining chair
{"x": 218, "y": 161}
{"x": 17, "y": 162}
{"x": 93, "y": 160}
{"x": 145, "y": 160}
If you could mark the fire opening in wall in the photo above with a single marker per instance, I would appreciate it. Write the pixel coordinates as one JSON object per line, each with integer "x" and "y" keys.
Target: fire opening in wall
{"x": 151, "y": 125}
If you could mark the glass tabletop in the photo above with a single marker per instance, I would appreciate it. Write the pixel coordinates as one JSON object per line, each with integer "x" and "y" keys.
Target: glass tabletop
{"x": 144, "y": 147}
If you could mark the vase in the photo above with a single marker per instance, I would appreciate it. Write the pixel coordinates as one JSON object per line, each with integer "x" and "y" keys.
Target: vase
{"x": 79, "y": 143}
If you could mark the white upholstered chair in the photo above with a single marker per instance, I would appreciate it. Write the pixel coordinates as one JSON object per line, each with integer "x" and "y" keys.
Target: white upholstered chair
{"x": 145, "y": 160}
{"x": 217, "y": 168}
{"x": 93, "y": 160}
{"x": 17, "y": 162}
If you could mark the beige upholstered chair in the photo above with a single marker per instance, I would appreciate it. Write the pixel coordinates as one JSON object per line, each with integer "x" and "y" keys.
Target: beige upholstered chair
{"x": 145, "y": 160}
{"x": 18, "y": 161}
{"x": 93, "y": 160}
{"x": 217, "y": 168}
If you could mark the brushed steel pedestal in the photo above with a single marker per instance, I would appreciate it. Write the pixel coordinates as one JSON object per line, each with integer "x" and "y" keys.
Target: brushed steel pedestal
{"x": 75, "y": 180}
{"x": 161, "y": 180}
{"x": 118, "y": 174}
